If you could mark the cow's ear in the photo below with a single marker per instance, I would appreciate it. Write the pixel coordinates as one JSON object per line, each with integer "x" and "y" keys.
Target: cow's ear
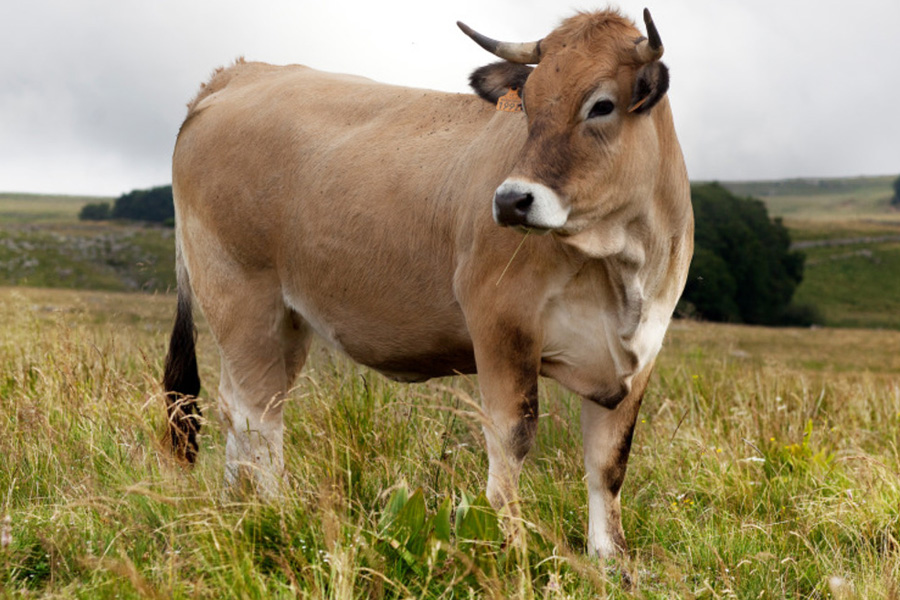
{"x": 493, "y": 81}
{"x": 650, "y": 86}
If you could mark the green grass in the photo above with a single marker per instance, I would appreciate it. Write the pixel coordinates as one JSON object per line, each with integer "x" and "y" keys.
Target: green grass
{"x": 855, "y": 285}
{"x": 764, "y": 465}
{"x": 805, "y": 230}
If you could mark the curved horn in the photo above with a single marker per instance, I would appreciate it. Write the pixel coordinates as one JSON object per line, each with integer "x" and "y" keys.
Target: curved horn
{"x": 525, "y": 54}
{"x": 649, "y": 50}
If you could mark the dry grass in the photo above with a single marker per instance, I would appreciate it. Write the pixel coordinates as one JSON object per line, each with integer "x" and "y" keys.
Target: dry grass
{"x": 765, "y": 464}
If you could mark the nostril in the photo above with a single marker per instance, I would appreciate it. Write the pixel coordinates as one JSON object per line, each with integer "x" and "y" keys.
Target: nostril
{"x": 524, "y": 203}
{"x": 513, "y": 207}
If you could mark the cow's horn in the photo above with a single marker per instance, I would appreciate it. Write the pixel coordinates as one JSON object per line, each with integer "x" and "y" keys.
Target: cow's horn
{"x": 526, "y": 54}
{"x": 649, "y": 49}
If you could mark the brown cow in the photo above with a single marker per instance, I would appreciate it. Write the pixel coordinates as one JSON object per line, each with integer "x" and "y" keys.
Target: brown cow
{"x": 309, "y": 202}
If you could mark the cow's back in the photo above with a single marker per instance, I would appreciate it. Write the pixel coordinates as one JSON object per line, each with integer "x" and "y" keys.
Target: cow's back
{"x": 333, "y": 180}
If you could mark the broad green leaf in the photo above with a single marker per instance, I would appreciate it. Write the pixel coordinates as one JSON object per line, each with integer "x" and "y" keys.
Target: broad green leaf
{"x": 487, "y": 520}
{"x": 411, "y": 518}
{"x": 479, "y": 523}
{"x": 396, "y": 502}
{"x": 442, "y": 521}
{"x": 461, "y": 511}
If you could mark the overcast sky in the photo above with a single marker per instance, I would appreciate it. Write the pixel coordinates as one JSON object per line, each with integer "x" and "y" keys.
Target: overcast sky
{"x": 92, "y": 92}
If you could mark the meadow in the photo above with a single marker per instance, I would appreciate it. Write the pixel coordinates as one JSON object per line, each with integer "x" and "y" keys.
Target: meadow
{"x": 765, "y": 465}
{"x": 851, "y": 238}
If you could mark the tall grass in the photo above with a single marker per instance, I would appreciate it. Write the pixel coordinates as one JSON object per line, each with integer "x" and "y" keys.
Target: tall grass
{"x": 765, "y": 465}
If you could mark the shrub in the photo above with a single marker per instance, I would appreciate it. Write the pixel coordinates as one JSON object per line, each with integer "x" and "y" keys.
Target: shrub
{"x": 801, "y": 315}
{"x": 99, "y": 211}
{"x": 743, "y": 269}
{"x": 155, "y": 205}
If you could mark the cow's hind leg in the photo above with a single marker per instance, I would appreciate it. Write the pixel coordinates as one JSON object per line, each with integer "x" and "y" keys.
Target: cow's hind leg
{"x": 263, "y": 345}
{"x": 607, "y": 435}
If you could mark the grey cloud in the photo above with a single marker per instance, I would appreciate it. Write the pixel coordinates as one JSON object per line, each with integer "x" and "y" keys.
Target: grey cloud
{"x": 760, "y": 89}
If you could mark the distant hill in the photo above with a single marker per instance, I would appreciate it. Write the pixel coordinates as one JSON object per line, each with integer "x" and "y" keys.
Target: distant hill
{"x": 30, "y": 208}
{"x": 823, "y": 199}
{"x": 846, "y": 227}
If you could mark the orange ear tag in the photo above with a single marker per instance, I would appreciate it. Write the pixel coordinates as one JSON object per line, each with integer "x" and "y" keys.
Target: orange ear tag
{"x": 510, "y": 102}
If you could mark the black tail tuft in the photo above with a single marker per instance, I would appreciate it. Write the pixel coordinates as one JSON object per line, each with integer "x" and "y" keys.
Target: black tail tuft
{"x": 181, "y": 382}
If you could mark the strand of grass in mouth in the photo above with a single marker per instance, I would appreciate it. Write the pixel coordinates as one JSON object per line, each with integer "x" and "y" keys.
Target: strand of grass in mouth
{"x": 511, "y": 258}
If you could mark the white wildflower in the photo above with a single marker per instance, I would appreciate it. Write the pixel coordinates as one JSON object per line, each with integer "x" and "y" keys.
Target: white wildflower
{"x": 6, "y": 532}
{"x": 840, "y": 587}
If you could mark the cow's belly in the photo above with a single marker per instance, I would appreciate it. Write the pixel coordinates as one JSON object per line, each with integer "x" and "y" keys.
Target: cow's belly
{"x": 594, "y": 352}
{"x": 403, "y": 343}
{"x": 452, "y": 359}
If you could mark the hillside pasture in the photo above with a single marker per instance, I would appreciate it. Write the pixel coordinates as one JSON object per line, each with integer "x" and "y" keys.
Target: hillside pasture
{"x": 43, "y": 244}
{"x": 765, "y": 465}
{"x": 851, "y": 237}
{"x": 818, "y": 199}
{"x": 854, "y": 284}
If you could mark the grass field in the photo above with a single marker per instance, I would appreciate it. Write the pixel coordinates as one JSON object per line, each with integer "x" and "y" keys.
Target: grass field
{"x": 43, "y": 244}
{"x": 854, "y": 285}
{"x": 29, "y": 208}
{"x": 765, "y": 465}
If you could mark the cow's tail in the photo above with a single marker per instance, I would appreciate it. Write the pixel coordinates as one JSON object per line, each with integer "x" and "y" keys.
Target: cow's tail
{"x": 181, "y": 380}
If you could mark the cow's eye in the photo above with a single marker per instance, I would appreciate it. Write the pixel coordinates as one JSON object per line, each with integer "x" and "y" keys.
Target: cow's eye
{"x": 601, "y": 109}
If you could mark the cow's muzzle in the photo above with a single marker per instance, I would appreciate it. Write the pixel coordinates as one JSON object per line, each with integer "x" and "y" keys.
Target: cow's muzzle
{"x": 525, "y": 204}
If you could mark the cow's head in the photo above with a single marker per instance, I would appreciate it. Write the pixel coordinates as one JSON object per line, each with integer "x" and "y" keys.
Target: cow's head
{"x": 592, "y": 148}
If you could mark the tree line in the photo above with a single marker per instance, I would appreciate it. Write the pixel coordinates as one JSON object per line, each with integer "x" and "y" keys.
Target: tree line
{"x": 743, "y": 269}
{"x": 154, "y": 205}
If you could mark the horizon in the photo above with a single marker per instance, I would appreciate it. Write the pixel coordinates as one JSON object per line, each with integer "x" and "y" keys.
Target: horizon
{"x": 74, "y": 196}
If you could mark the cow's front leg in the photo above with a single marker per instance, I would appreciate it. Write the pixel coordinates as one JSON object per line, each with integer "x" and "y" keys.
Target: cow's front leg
{"x": 607, "y": 434}
{"x": 508, "y": 359}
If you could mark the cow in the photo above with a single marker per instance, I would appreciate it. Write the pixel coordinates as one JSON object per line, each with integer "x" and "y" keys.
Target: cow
{"x": 428, "y": 234}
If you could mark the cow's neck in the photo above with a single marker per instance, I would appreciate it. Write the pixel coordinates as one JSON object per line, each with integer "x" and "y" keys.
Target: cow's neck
{"x": 606, "y": 322}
